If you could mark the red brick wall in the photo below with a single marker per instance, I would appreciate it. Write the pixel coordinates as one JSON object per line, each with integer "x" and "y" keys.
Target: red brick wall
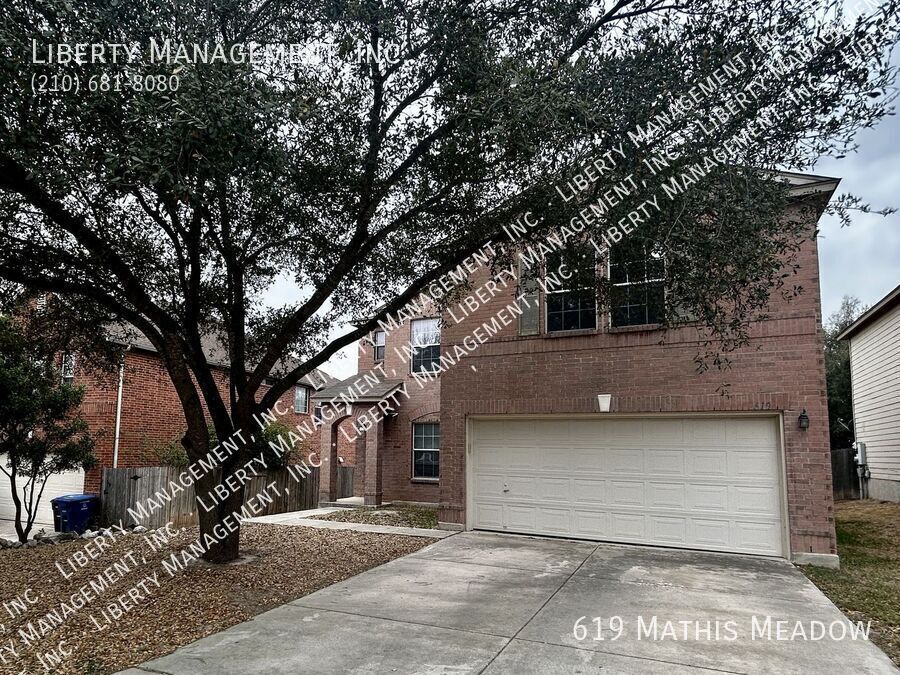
{"x": 423, "y": 405}
{"x": 782, "y": 370}
{"x": 151, "y": 413}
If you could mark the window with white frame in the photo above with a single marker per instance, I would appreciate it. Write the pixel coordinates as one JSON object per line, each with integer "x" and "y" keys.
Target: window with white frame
{"x": 317, "y": 413}
{"x": 378, "y": 340}
{"x": 637, "y": 293}
{"x": 571, "y": 294}
{"x": 68, "y": 368}
{"x": 426, "y": 345}
{"x": 426, "y": 457}
{"x": 301, "y": 399}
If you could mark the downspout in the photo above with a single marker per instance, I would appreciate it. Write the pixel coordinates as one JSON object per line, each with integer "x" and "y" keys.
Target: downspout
{"x": 115, "y": 462}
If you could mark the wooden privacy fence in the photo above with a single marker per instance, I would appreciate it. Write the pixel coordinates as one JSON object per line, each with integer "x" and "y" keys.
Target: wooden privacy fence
{"x": 844, "y": 479}
{"x": 125, "y": 489}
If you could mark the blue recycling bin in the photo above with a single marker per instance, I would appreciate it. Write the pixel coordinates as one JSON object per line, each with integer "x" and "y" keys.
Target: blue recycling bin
{"x": 74, "y": 513}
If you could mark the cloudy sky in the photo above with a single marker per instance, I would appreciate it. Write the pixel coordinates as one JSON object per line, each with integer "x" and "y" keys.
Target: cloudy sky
{"x": 863, "y": 260}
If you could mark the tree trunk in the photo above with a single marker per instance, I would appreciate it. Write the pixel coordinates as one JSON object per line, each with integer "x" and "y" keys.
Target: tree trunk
{"x": 21, "y": 532}
{"x": 219, "y": 525}
{"x": 223, "y": 545}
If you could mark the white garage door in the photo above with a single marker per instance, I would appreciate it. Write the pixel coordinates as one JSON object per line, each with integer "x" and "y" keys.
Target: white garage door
{"x": 705, "y": 483}
{"x": 69, "y": 483}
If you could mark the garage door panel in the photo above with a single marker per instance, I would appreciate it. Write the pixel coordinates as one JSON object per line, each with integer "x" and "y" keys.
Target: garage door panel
{"x": 555, "y": 521}
{"x": 666, "y": 495}
{"x": 590, "y": 523}
{"x": 556, "y": 459}
{"x": 714, "y": 534}
{"x": 491, "y": 458}
{"x": 490, "y": 515}
{"x": 665, "y": 431}
{"x": 520, "y": 458}
{"x": 669, "y": 530}
{"x": 520, "y": 518}
{"x": 586, "y": 461}
{"x": 488, "y": 485}
{"x": 707, "y": 498}
{"x": 754, "y": 500}
{"x": 752, "y": 464}
{"x": 587, "y": 490}
{"x": 666, "y": 462}
{"x": 626, "y": 493}
{"x": 628, "y": 480}
{"x": 713, "y": 463}
{"x": 704, "y": 433}
{"x": 628, "y": 526}
{"x": 625, "y": 460}
{"x": 628, "y": 432}
{"x": 555, "y": 489}
{"x": 761, "y": 537}
{"x": 750, "y": 432}
{"x": 516, "y": 487}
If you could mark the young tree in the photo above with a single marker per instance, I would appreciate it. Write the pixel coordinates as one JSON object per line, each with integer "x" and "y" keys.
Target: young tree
{"x": 837, "y": 372}
{"x": 403, "y": 140}
{"x": 41, "y": 431}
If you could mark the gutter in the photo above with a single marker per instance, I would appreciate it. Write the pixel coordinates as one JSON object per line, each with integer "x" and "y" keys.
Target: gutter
{"x": 115, "y": 461}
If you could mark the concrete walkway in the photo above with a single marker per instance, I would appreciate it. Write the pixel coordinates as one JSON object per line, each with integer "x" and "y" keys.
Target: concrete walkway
{"x": 304, "y": 519}
{"x": 486, "y": 603}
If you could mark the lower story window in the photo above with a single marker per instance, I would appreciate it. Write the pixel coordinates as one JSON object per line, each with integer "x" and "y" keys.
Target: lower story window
{"x": 426, "y": 450}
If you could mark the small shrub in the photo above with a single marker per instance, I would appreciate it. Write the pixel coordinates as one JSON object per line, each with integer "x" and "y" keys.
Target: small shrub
{"x": 171, "y": 453}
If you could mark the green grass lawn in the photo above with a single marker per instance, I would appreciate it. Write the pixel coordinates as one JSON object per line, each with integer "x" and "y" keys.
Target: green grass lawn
{"x": 867, "y": 587}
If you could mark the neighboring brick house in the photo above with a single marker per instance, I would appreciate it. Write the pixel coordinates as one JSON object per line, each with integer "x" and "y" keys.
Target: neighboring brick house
{"x": 409, "y": 469}
{"x": 568, "y": 422}
{"x": 150, "y": 413}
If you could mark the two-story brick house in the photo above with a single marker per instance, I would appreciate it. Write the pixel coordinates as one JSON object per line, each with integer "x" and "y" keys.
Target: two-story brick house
{"x": 577, "y": 423}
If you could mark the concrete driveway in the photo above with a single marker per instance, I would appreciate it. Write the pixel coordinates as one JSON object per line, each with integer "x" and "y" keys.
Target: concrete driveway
{"x": 486, "y": 603}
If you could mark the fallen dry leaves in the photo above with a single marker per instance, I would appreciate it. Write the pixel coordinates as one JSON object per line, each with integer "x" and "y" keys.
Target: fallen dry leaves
{"x": 286, "y": 563}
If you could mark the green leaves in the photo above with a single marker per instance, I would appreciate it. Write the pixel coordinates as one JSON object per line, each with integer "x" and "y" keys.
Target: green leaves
{"x": 360, "y": 175}
{"x": 41, "y": 429}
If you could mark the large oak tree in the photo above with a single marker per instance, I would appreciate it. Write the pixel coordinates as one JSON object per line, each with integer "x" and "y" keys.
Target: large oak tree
{"x": 363, "y": 179}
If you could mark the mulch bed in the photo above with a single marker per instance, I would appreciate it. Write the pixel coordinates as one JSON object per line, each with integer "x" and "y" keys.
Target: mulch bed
{"x": 285, "y": 563}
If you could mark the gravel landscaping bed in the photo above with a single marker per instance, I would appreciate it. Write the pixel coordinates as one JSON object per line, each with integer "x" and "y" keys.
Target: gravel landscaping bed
{"x": 283, "y": 563}
{"x": 398, "y": 516}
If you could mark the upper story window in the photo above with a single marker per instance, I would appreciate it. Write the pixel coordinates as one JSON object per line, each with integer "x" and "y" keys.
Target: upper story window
{"x": 426, "y": 344}
{"x": 68, "y": 368}
{"x": 637, "y": 295}
{"x": 301, "y": 399}
{"x": 378, "y": 339}
{"x": 571, "y": 297}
